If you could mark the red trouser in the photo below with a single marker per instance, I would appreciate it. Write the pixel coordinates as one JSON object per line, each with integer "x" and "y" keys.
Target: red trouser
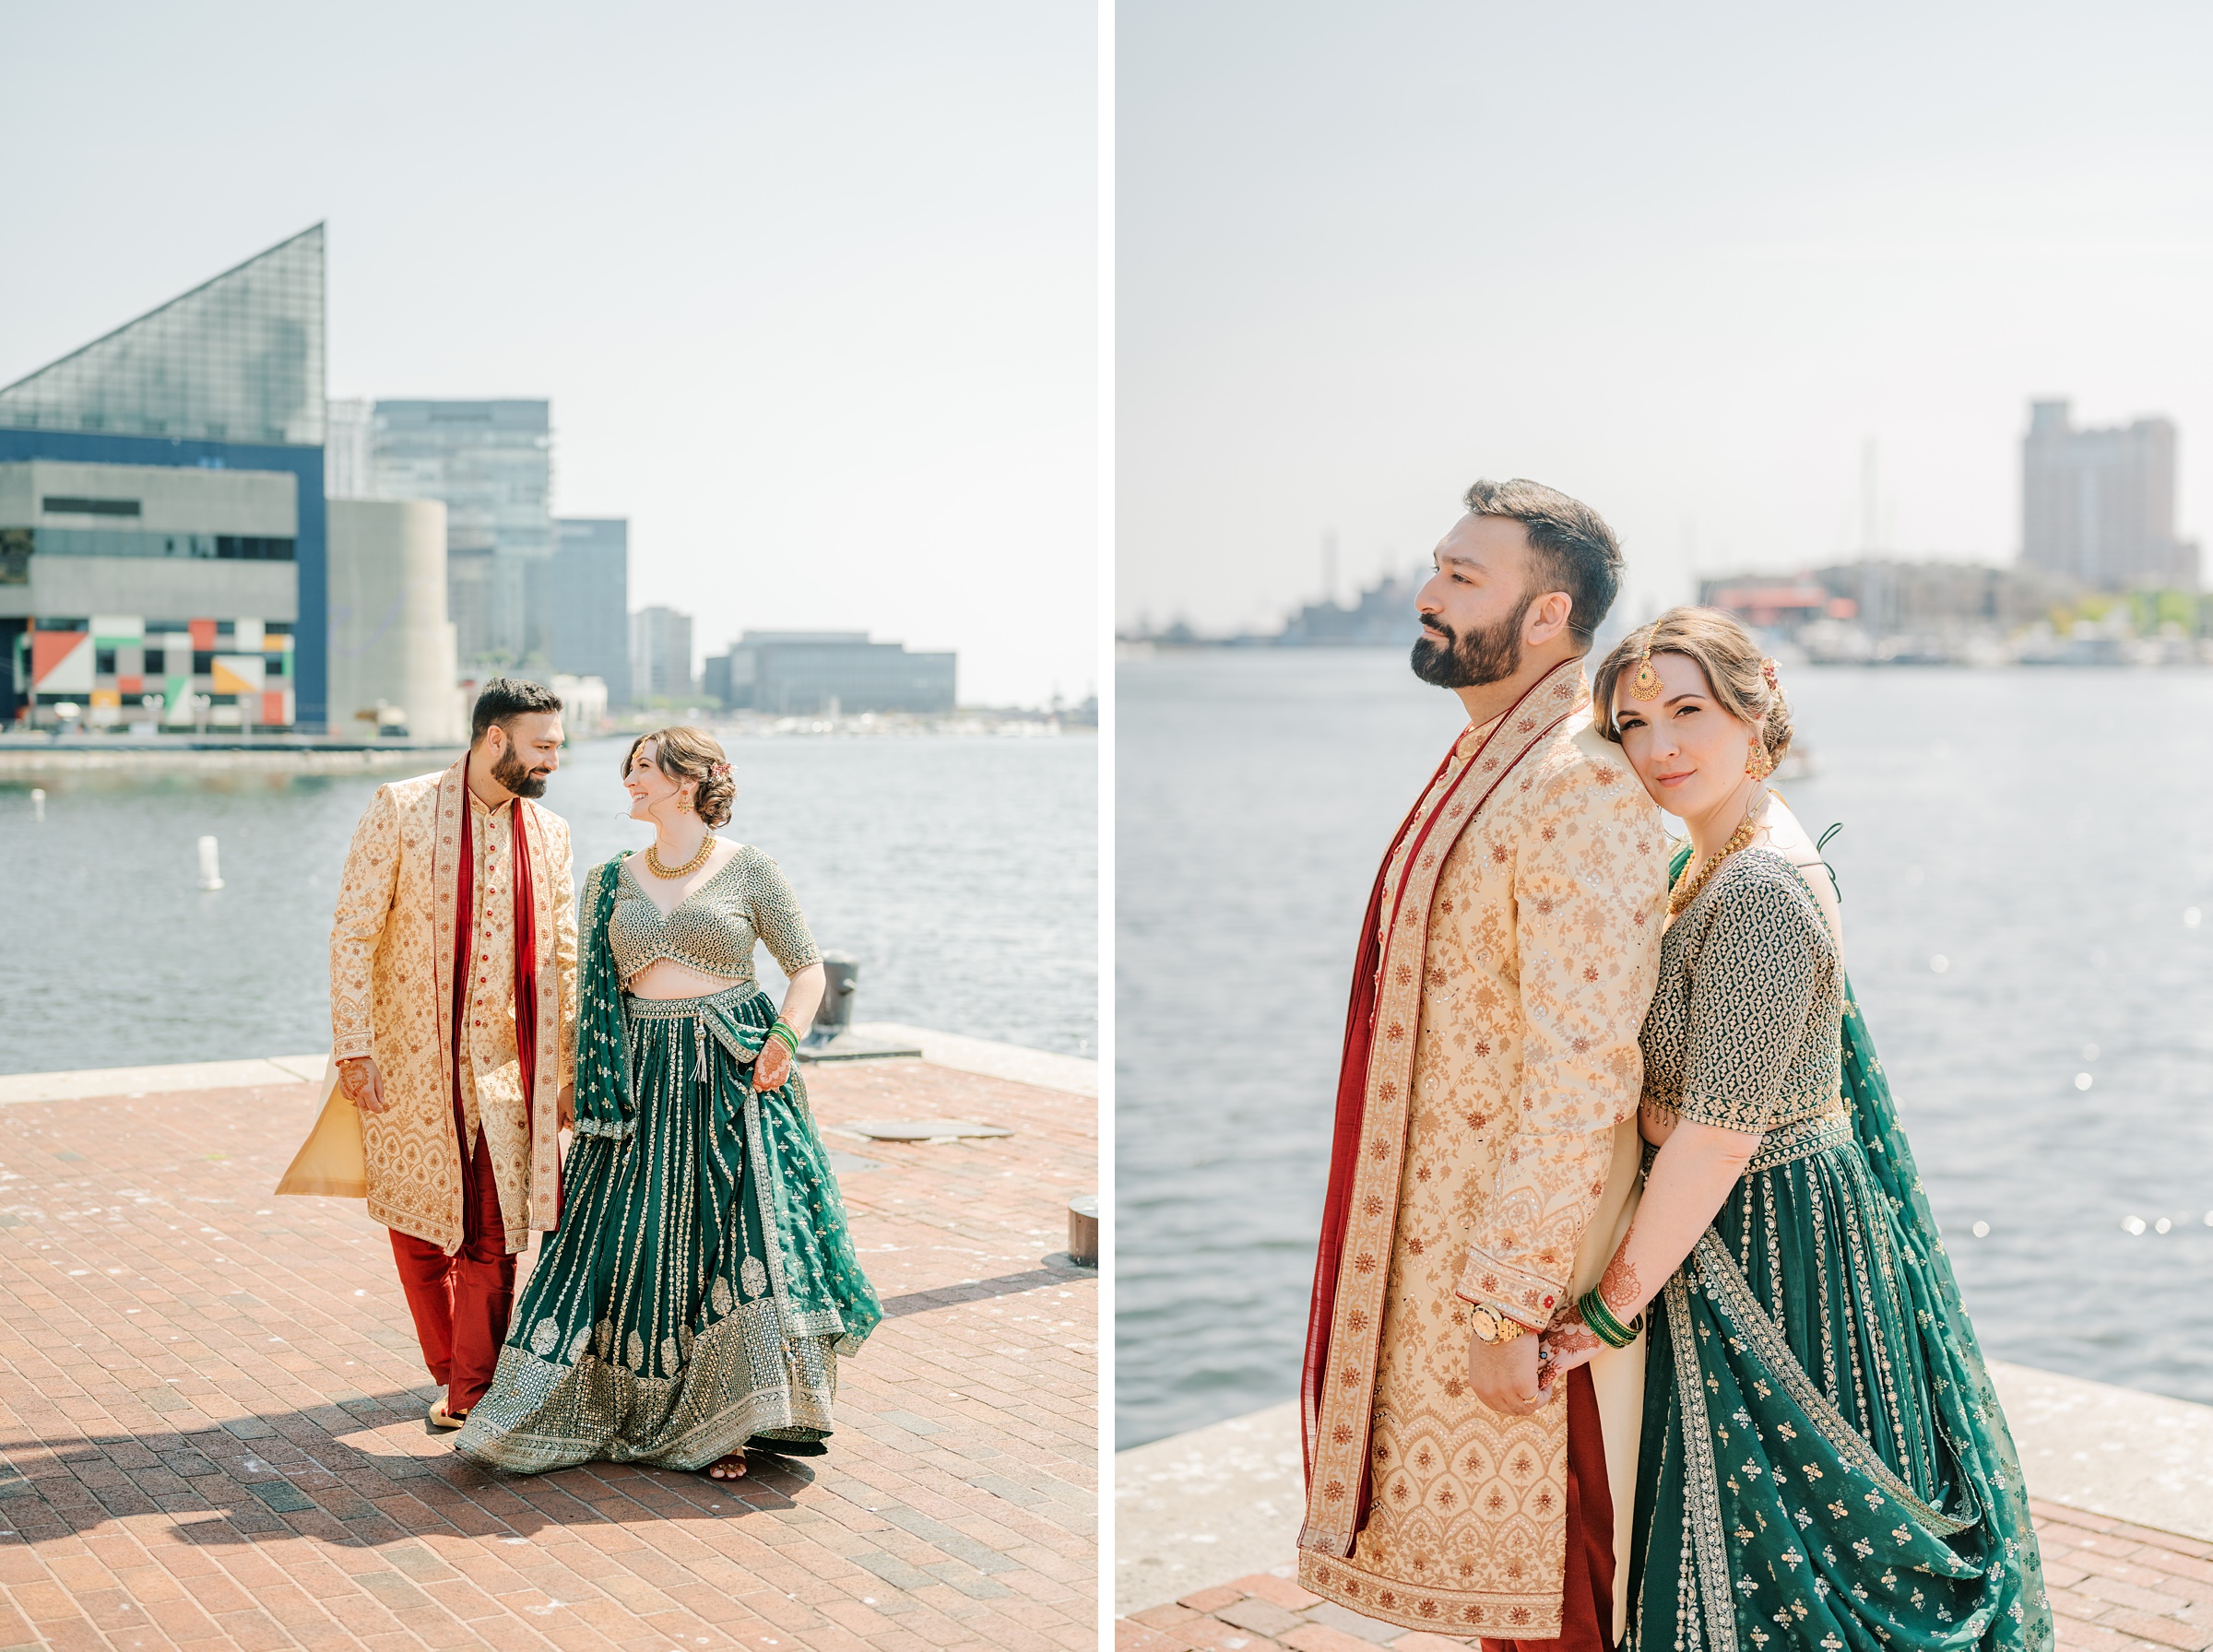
{"x": 1587, "y": 1605}
{"x": 461, "y": 1303}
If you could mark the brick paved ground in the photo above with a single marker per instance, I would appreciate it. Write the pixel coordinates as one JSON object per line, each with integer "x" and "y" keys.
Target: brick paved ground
{"x": 2116, "y": 1587}
{"x": 212, "y": 1412}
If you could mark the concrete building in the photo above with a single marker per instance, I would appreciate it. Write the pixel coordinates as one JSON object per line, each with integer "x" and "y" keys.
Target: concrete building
{"x": 660, "y": 656}
{"x": 392, "y": 666}
{"x": 2097, "y": 506}
{"x": 800, "y": 673}
{"x": 491, "y": 464}
{"x": 161, "y": 511}
{"x": 589, "y": 585}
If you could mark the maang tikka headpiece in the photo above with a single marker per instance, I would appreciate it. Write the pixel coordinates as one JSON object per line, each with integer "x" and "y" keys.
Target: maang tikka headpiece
{"x": 1645, "y": 684}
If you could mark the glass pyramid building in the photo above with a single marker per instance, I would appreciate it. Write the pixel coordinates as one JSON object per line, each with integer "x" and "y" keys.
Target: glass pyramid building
{"x": 164, "y": 504}
{"x": 238, "y": 359}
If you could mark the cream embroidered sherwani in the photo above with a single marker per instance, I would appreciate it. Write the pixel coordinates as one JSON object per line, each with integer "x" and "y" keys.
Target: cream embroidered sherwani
{"x": 1522, "y": 912}
{"x": 392, "y": 996}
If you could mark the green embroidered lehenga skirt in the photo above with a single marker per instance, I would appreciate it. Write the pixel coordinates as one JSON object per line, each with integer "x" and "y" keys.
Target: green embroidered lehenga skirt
{"x": 1824, "y": 1462}
{"x": 702, "y": 1284}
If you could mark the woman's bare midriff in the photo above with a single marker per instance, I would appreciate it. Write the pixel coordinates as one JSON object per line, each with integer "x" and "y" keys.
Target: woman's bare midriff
{"x": 666, "y": 978}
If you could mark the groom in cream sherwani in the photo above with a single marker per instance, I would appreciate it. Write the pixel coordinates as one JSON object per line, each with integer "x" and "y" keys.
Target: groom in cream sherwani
{"x": 453, "y": 1004}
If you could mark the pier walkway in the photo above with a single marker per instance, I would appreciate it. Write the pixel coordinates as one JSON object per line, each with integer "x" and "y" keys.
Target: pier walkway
{"x": 211, "y": 1406}
{"x": 1205, "y": 1523}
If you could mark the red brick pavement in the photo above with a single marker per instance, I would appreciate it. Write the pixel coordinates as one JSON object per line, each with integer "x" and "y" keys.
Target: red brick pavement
{"x": 212, "y": 1412}
{"x": 2116, "y": 1587}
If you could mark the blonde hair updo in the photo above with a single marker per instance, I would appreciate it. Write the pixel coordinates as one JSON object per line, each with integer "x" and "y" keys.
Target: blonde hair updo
{"x": 1741, "y": 677}
{"x": 684, "y": 752}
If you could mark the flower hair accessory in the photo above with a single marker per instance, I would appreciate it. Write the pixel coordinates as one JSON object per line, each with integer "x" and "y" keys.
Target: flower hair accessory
{"x": 1766, "y": 670}
{"x": 722, "y": 771}
{"x": 1645, "y": 684}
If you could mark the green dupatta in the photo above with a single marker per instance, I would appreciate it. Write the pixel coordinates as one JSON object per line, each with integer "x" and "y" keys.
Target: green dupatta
{"x": 1765, "y": 1513}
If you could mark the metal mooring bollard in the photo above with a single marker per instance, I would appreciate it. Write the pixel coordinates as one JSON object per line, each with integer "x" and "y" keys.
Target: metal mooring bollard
{"x": 1084, "y": 1230}
{"x": 834, "y": 1015}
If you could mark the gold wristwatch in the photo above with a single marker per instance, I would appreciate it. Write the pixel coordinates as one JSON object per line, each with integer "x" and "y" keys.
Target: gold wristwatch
{"x": 1495, "y": 1328}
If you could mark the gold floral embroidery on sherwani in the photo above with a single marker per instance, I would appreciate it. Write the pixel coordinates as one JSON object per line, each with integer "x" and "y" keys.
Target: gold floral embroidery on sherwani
{"x": 1520, "y": 943}
{"x": 391, "y": 996}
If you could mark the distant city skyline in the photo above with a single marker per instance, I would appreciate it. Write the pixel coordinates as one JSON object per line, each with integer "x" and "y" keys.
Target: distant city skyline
{"x": 1685, "y": 272}
{"x": 813, "y": 298}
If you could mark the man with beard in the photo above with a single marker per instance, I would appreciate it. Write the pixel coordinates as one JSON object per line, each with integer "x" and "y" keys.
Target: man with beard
{"x": 1485, "y": 1152}
{"x": 453, "y": 996}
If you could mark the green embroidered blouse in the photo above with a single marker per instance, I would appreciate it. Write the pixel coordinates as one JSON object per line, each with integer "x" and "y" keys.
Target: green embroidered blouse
{"x": 1745, "y": 1028}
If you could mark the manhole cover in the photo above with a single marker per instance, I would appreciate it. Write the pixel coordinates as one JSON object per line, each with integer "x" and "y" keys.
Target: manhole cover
{"x": 851, "y": 1164}
{"x": 925, "y": 1129}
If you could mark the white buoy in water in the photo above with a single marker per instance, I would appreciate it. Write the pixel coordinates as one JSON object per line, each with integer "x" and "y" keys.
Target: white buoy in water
{"x": 212, "y": 874}
{"x": 37, "y": 803}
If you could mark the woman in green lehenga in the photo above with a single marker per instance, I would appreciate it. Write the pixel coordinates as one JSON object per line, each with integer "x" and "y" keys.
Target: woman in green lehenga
{"x": 1824, "y": 1463}
{"x": 701, "y": 1286}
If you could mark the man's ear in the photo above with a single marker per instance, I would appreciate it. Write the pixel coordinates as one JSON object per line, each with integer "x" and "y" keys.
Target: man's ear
{"x": 1548, "y": 617}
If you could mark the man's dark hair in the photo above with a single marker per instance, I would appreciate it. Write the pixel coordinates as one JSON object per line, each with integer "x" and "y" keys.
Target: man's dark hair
{"x": 504, "y": 699}
{"x": 1571, "y": 545}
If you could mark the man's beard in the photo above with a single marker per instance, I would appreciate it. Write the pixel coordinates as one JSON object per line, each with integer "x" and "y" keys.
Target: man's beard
{"x": 517, "y": 776}
{"x": 1471, "y": 662}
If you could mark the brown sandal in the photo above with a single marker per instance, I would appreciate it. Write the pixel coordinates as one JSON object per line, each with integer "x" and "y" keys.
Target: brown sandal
{"x": 731, "y": 1460}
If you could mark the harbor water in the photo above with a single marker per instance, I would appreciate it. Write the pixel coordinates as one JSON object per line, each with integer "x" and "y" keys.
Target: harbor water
{"x": 2027, "y": 866}
{"x": 961, "y": 872}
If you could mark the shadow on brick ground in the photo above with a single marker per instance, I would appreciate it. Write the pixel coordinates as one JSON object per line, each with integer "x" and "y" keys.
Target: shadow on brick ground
{"x": 299, "y": 1471}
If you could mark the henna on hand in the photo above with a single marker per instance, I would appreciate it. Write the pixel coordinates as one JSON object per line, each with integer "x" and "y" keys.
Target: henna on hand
{"x": 1568, "y": 1335}
{"x": 1619, "y": 1288}
{"x": 771, "y": 1066}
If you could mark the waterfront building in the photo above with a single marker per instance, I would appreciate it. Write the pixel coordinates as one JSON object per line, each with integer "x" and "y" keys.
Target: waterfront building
{"x": 393, "y": 662}
{"x": 800, "y": 673}
{"x": 1888, "y": 610}
{"x": 2097, "y": 506}
{"x": 583, "y": 704}
{"x": 660, "y": 656}
{"x": 589, "y": 586}
{"x": 1382, "y": 616}
{"x": 490, "y": 462}
{"x": 162, "y": 526}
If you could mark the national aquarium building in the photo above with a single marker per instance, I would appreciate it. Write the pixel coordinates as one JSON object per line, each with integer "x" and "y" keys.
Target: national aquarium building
{"x": 162, "y": 524}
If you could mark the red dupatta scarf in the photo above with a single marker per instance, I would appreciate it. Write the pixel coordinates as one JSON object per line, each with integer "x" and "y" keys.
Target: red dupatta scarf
{"x": 1374, "y": 1098}
{"x": 526, "y": 982}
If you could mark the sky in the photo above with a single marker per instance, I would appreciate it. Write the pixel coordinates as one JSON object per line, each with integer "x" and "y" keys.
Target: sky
{"x": 813, "y": 289}
{"x": 1685, "y": 263}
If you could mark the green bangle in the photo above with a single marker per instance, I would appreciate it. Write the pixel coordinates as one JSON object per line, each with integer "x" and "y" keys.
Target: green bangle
{"x": 1605, "y": 1322}
{"x": 781, "y": 1031}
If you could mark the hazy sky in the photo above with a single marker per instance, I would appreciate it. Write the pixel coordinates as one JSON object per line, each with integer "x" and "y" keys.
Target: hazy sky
{"x": 813, "y": 288}
{"x": 1682, "y": 262}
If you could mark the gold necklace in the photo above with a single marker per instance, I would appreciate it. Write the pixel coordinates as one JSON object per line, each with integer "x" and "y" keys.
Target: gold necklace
{"x": 1684, "y": 893}
{"x": 653, "y": 860}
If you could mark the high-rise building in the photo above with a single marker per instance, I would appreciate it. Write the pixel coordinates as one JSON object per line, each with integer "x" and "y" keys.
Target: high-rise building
{"x": 162, "y": 529}
{"x": 660, "y": 656}
{"x": 805, "y": 672}
{"x": 346, "y": 447}
{"x": 491, "y": 464}
{"x": 589, "y": 597}
{"x": 2097, "y": 506}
